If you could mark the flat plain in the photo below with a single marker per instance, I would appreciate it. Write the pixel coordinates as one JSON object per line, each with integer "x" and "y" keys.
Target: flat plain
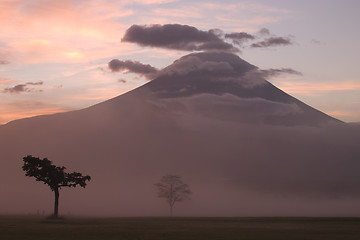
{"x": 189, "y": 228}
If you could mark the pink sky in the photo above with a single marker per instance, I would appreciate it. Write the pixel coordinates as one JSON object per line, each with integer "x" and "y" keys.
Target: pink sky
{"x": 58, "y": 50}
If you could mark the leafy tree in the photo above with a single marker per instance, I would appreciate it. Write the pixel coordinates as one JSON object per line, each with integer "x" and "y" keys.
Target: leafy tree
{"x": 55, "y": 177}
{"x": 173, "y": 189}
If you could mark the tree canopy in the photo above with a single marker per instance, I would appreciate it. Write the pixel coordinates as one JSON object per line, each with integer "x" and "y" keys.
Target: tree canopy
{"x": 55, "y": 177}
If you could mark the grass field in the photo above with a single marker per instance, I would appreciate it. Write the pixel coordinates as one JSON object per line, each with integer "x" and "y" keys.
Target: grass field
{"x": 15, "y": 227}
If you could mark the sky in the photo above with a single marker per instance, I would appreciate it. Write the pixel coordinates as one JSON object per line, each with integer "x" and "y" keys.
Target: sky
{"x": 55, "y": 55}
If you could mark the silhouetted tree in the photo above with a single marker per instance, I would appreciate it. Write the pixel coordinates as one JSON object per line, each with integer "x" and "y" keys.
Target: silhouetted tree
{"x": 44, "y": 171}
{"x": 173, "y": 189}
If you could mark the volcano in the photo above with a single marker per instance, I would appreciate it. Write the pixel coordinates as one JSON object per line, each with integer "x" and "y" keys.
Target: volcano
{"x": 223, "y": 85}
{"x": 245, "y": 147}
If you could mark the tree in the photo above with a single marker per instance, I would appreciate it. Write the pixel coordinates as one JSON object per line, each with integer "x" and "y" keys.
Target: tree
{"x": 55, "y": 177}
{"x": 173, "y": 189}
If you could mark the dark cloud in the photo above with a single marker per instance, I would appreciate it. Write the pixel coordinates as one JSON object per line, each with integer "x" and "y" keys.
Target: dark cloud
{"x": 273, "y": 41}
{"x": 189, "y": 38}
{"x": 240, "y": 37}
{"x": 23, "y": 87}
{"x": 176, "y": 36}
{"x": 2, "y": 62}
{"x": 145, "y": 70}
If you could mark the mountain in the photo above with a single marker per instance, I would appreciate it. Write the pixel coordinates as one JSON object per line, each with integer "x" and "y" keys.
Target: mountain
{"x": 245, "y": 148}
{"x": 226, "y": 84}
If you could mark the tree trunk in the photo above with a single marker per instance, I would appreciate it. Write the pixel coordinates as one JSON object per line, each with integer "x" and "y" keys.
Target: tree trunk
{"x": 56, "y": 206}
{"x": 171, "y": 210}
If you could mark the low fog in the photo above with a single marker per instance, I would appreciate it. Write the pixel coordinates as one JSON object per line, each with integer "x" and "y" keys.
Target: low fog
{"x": 243, "y": 146}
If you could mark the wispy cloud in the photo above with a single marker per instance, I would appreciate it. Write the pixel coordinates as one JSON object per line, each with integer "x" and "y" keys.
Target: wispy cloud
{"x": 272, "y": 42}
{"x": 239, "y": 37}
{"x": 23, "y": 88}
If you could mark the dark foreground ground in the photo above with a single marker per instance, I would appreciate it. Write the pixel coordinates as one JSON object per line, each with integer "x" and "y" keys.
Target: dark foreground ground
{"x": 180, "y": 228}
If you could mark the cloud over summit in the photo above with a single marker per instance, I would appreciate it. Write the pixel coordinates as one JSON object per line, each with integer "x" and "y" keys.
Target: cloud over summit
{"x": 219, "y": 64}
{"x": 211, "y": 66}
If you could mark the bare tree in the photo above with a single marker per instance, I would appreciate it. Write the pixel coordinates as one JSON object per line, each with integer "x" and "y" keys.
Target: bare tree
{"x": 173, "y": 189}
